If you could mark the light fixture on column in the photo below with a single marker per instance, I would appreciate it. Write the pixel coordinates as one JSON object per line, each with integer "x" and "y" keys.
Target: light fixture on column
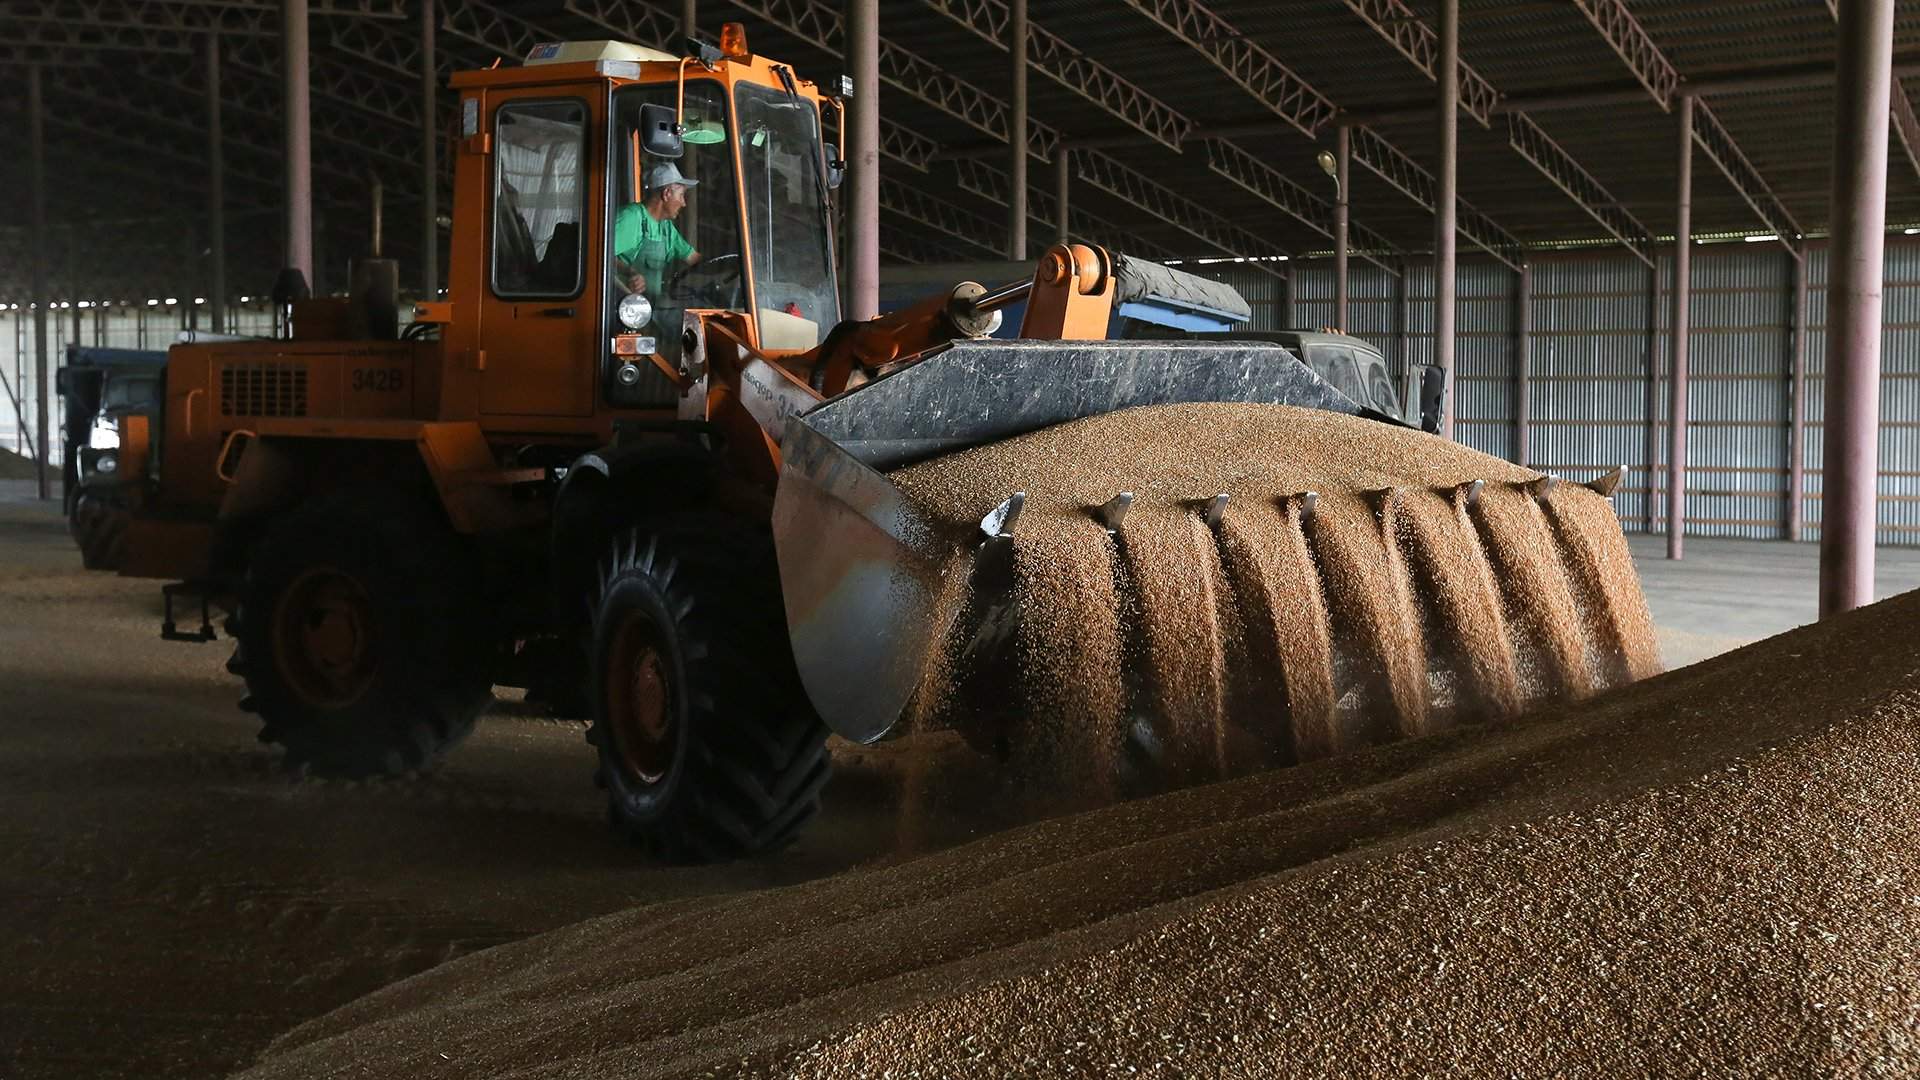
{"x": 1331, "y": 167}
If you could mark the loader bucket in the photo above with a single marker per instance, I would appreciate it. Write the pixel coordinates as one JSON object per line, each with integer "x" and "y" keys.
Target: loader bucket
{"x": 861, "y": 565}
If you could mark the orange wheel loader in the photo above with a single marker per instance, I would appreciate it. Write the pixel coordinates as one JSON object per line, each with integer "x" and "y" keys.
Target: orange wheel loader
{"x": 635, "y": 461}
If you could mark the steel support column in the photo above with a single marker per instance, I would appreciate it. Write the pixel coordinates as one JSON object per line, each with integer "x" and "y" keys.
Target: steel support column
{"x": 1343, "y": 158}
{"x": 1446, "y": 201}
{"x": 297, "y": 139}
{"x": 322, "y": 245}
{"x": 1017, "y": 132}
{"x": 429, "y": 156}
{"x": 1522, "y": 363}
{"x": 191, "y": 271}
{"x": 216, "y": 196}
{"x": 1400, "y": 288}
{"x": 862, "y": 51}
{"x": 37, "y": 154}
{"x": 1797, "y": 399}
{"x": 1850, "y": 457}
{"x": 1680, "y": 296}
{"x": 1062, "y": 185}
{"x": 73, "y": 283}
{"x": 1650, "y": 406}
{"x": 21, "y": 444}
{"x": 689, "y": 16}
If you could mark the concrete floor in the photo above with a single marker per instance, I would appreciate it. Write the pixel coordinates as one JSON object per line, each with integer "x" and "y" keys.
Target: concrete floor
{"x": 1727, "y": 593}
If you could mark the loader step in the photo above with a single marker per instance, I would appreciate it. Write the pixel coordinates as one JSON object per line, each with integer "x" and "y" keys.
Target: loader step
{"x": 203, "y": 591}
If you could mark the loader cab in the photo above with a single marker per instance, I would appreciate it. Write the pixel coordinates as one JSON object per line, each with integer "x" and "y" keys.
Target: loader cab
{"x": 573, "y": 226}
{"x": 754, "y": 234}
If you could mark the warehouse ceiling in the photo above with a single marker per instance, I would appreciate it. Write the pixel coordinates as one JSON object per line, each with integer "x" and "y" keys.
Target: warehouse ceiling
{"x": 1193, "y": 128}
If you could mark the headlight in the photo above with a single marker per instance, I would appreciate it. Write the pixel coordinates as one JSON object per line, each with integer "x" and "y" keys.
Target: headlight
{"x": 106, "y": 462}
{"x": 635, "y": 310}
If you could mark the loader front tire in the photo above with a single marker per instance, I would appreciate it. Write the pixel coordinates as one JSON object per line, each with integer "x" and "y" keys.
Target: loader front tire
{"x": 360, "y": 637}
{"x": 709, "y": 749}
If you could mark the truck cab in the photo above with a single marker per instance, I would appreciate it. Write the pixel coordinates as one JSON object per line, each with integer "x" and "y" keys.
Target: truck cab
{"x": 1348, "y": 363}
{"x": 1354, "y": 367}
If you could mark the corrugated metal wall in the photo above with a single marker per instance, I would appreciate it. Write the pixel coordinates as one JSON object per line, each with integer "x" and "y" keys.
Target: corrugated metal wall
{"x": 1899, "y": 394}
{"x": 1589, "y": 387}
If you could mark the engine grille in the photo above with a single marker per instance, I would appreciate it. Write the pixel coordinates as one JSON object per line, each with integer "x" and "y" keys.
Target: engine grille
{"x": 263, "y": 390}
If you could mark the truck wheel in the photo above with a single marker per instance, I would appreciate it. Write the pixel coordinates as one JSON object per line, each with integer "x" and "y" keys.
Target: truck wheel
{"x": 709, "y": 749}
{"x": 98, "y": 524}
{"x": 361, "y": 638}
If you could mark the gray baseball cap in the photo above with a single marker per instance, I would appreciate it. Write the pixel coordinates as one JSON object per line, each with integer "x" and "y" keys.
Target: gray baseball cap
{"x": 666, "y": 172}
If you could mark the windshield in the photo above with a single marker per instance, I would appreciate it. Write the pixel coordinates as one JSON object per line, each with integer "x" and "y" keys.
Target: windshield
{"x": 674, "y": 232}
{"x": 786, "y": 218}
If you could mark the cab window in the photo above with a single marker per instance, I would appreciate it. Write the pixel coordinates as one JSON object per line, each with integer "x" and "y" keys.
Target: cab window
{"x": 785, "y": 195}
{"x": 1380, "y": 388}
{"x": 1334, "y": 363}
{"x": 673, "y": 226}
{"x": 539, "y": 197}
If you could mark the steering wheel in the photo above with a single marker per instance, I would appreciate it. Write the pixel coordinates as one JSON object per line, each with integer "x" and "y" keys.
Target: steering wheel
{"x": 726, "y": 270}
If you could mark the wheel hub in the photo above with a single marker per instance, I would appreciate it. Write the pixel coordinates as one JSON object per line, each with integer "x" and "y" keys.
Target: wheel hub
{"x": 640, "y": 701}
{"x": 323, "y": 637}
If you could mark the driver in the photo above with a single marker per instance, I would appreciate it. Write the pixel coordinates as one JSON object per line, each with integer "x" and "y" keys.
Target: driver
{"x": 645, "y": 239}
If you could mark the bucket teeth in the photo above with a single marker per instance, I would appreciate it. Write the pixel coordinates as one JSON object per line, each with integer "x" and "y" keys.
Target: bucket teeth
{"x": 999, "y": 523}
{"x": 1216, "y": 510}
{"x": 1469, "y": 493}
{"x": 1309, "y": 504}
{"x": 1543, "y": 486}
{"x": 1114, "y": 511}
{"x": 1603, "y": 485}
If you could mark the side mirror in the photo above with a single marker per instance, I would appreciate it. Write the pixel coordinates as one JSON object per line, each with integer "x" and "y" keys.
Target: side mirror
{"x": 660, "y": 132}
{"x": 836, "y": 174}
{"x": 1433, "y": 398}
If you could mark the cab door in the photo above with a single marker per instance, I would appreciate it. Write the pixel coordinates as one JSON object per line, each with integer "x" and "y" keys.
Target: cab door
{"x": 540, "y": 321}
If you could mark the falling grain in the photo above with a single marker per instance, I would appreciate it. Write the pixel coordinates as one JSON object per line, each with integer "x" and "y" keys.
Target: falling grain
{"x": 1597, "y": 553}
{"x": 1536, "y": 596}
{"x": 1186, "y": 620}
{"x": 1070, "y": 646}
{"x": 1454, "y": 574}
{"x": 1289, "y": 646}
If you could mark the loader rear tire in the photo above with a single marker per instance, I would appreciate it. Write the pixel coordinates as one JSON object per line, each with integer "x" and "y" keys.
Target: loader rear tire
{"x": 709, "y": 749}
{"x": 361, "y": 637}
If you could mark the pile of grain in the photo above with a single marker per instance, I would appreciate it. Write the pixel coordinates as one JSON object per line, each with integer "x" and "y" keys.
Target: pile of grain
{"x": 1705, "y": 873}
{"x": 15, "y": 466}
{"x": 1712, "y": 872}
{"x": 1393, "y": 600}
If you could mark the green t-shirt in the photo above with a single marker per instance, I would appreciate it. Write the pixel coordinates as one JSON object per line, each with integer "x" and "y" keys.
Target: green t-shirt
{"x": 647, "y": 244}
